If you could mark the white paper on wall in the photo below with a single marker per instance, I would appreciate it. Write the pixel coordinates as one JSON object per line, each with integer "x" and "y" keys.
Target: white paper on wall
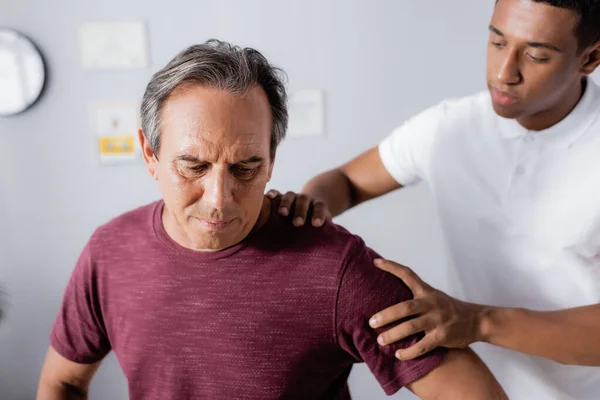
{"x": 113, "y": 45}
{"x": 307, "y": 115}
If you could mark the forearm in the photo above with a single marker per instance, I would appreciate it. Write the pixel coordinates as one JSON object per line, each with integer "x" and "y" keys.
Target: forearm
{"x": 570, "y": 336}
{"x": 333, "y": 188}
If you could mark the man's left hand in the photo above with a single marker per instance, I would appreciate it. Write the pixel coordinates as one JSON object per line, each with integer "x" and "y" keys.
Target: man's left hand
{"x": 446, "y": 321}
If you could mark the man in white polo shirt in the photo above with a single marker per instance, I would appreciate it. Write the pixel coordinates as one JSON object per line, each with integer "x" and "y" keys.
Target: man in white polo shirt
{"x": 515, "y": 175}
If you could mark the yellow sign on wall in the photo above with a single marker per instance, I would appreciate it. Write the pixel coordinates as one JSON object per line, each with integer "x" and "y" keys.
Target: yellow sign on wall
{"x": 116, "y": 129}
{"x": 117, "y": 145}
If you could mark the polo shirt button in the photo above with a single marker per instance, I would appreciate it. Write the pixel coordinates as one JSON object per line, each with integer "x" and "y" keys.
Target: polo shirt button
{"x": 520, "y": 170}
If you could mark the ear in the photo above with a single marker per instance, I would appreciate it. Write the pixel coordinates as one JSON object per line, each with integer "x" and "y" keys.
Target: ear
{"x": 591, "y": 59}
{"x": 149, "y": 157}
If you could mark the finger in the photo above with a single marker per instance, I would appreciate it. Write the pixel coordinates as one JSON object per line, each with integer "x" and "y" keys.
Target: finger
{"x": 273, "y": 194}
{"x": 422, "y": 347}
{"x": 404, "y": 330}
{"x": 408, "y": 276}
{"x": 398, "y": 312}
{"x": 301, "y": 209}
{"x": 320, "y": 213}
{"x": 286, "y": 203}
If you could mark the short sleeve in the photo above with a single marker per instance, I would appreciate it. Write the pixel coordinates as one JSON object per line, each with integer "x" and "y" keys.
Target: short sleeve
{"x": 364, "y": 290}
{"x": 78, "y": 333}
{"x": 405, "y": 153}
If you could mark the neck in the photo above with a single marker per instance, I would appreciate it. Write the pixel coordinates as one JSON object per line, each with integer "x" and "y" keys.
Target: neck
{"x": 552, "y": 116}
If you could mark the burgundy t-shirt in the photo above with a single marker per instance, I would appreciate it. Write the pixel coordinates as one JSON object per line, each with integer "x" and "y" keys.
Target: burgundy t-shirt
{"x": 282, "y": 315}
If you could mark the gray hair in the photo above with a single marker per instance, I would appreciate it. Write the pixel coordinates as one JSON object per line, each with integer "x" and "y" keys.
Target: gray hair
{"x": 220, "y": 65}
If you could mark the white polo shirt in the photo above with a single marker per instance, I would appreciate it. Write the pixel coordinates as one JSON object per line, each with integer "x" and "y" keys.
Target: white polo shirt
{"x": 520, "y": 211}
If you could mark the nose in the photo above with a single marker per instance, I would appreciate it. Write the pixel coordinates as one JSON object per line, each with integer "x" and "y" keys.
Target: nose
{"x": 218, "y": 189}
{"x": 509, "y": 72}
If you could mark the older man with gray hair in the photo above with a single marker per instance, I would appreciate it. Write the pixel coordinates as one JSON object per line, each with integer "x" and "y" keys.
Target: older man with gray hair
{"x": 210, "y": 293}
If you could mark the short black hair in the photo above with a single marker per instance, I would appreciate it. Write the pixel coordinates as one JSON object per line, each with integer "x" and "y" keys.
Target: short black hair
{"x": 588, "y": 11}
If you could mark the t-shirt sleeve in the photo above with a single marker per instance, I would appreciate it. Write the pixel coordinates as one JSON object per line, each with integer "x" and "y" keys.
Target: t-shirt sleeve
{"x": 78, "y": 333}
{"x": 406, "y": 152}
{"x": 364, "y": 290}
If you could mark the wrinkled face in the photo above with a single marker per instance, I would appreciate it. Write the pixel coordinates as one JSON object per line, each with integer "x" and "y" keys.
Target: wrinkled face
{"x": 213, "y": 164}
{"x": 533, "y": 62}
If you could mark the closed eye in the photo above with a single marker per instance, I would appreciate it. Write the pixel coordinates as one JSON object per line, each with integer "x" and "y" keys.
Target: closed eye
{"x": 243, "y": 172}
{"x": 537, "y": 60}
{"x": 198, "y": 168}
{"x": 193, "y": 170}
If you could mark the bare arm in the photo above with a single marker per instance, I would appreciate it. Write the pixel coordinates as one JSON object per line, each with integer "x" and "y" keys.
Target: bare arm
{"x": 62, "y": 379}
{"x": 568, "y": 336}
{"x": 461, "y": 376}
{"x": 362, "y": 179}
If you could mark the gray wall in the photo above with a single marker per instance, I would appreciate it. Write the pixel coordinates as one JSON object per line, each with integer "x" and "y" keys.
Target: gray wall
{"x": 378, "y": 61}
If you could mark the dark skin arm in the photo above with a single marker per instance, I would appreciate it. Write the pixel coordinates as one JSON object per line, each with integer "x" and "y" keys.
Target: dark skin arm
{"x": 333, "y": 192}
{"x": 452, "y": 323}
{"x": 445, "y": 320}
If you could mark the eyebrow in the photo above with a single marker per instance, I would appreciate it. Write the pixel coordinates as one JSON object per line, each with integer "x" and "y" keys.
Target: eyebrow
{"x": 251, "y": 160}
{"x": 190, "y": 158}
{"x": 536, "y": 45}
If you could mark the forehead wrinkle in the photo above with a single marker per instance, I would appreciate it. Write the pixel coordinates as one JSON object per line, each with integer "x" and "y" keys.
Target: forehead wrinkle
{"x": 211, "y": 126}
{"x": 209, "y": 150}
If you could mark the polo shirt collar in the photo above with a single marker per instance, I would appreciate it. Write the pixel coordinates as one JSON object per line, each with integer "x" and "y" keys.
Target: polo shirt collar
{"x": 567, "y": 131}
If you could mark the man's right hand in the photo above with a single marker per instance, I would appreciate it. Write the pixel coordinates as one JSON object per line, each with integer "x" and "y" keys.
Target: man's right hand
{"x": 299, "y": 206}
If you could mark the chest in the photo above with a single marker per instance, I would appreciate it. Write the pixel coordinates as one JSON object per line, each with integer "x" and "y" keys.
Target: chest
{"x": 527, "y": 186}
{"x": 523, "y": 217}
{"x": 220, "y": 322}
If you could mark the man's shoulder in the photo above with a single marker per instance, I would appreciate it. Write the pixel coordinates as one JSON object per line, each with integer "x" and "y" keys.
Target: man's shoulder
{"x": 453, "y": 114}
{"x": 130, "y": 226}
{"x": 330, "y": 241}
